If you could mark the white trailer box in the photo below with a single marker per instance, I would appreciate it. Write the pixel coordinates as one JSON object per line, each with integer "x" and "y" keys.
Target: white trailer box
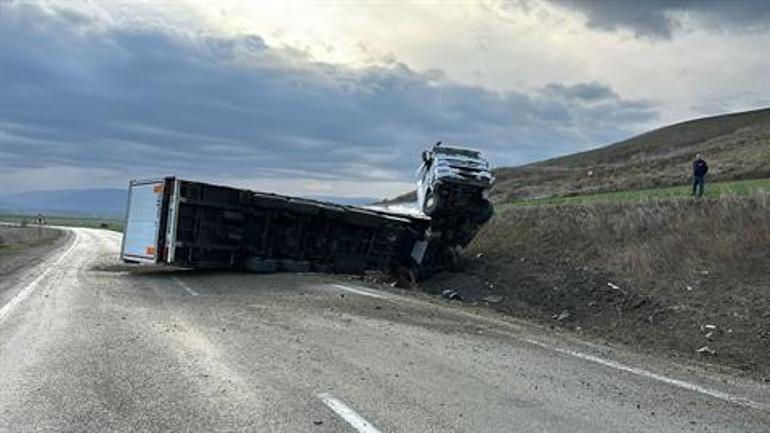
{"x": 140, "y": 239}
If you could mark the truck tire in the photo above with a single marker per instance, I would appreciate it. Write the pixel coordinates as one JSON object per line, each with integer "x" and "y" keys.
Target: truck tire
{"x": 407, "y": 277}
{"x": 431, "y": 204}
{"x": 483, "y": 213}
{"x": 261, "y": 266}
{"x": 295, "y": 266}
{"x": 456, "y": 263}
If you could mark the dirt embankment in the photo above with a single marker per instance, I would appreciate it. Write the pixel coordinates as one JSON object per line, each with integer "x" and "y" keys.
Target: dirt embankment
{"x": 689, "y": 278}
{"x": 21, "y": 246}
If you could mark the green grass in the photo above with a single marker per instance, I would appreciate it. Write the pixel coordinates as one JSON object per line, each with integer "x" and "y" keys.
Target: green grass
{"x": 68, "y": 221}
{"x": 10, "y": 248}
{"x": 716, "y": 189}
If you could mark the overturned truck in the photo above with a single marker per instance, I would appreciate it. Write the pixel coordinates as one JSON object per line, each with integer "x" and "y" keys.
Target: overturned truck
{"x": 199, "y": 225}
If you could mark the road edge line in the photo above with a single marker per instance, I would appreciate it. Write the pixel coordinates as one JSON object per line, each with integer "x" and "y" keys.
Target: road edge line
{"x": 346, "y": 413}
{"x": 359, "y": 291}
{"x": 187, "y": 288}
{"x": 24, "y": 293}
{"x": 727, "y": 397}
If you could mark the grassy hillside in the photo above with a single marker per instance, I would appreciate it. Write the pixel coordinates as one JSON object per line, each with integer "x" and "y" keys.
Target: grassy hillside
{"x": 737, "y": 146}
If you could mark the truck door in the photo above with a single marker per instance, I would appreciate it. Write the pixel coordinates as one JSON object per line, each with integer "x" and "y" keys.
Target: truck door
{"x": 140, "y": 234}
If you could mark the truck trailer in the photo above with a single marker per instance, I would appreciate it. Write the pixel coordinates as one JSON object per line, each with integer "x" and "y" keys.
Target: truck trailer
{"x": 199, "y": 225}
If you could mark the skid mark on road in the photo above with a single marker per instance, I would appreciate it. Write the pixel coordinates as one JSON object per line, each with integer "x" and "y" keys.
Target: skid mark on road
{"x": 349, "y": 415}
{"x": 26, "y": 291}
{"x": 187, "y": 288}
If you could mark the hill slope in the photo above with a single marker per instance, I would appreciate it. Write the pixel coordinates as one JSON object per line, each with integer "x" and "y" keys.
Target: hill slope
{"x": 737, "y": 146}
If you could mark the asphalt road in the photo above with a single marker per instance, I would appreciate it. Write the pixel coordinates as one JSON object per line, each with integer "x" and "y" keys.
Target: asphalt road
{"x": 87, "y": 344}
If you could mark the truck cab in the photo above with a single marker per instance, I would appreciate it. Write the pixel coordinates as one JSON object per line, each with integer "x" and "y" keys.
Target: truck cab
{"x": 454, "y": 180}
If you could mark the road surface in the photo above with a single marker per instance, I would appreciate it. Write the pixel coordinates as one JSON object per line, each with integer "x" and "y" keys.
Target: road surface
{"x": 87, "y": 345}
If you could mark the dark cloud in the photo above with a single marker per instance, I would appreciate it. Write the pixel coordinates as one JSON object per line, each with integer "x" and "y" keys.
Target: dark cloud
{"x": 660, "y": 18}
{"x": 138, "y": 102}
{"x": 582, "y": 91}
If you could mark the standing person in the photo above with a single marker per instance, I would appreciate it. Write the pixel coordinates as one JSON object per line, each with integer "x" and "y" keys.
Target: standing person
{"x": 699, "y": 170}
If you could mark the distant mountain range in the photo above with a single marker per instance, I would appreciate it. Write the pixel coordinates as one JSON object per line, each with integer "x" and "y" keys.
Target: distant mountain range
{"x": 103, "y": 202}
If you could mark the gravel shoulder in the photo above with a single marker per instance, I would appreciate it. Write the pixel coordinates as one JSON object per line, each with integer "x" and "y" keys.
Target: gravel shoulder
{"x": 24, "y": 247}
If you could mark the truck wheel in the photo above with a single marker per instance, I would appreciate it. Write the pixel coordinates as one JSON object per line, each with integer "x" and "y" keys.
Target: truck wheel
{"x": 483, "y": 213}
{"x": 261, "y": 266}
{"x": 456, "y": 259}
{"x": 406, "y": 278}
{"x": 431, "y": 204}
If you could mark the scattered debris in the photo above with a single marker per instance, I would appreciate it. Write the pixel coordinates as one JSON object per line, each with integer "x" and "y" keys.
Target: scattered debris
{"x": 451, "y": 294}
{"x": 689, "y": 288}
{"x": 493, "y": 299}
{"x": 479, "y": 255}
{"x": 706, "y": 349}
{"x": 613, "y": 286}
{"x": 564, "y": 315}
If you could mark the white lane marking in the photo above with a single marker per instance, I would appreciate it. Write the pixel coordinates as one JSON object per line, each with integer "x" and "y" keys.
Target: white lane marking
{"x": 349, "y": 415}
{"x": 26, "y": 291}
{"x": 359, "y": 291}
{"x": 185, "y": 286}
{"x": 741, "y": 401}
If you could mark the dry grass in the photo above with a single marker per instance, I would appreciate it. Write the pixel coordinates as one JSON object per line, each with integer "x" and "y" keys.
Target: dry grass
{"x": 640, "y": 241}
{"x": 14, "y": 238}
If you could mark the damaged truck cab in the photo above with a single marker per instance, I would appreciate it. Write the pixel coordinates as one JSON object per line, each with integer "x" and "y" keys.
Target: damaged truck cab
{"x": 452, "y": 181}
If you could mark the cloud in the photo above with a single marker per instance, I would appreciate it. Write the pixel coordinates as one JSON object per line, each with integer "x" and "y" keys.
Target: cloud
{"x": 135, "y": 102}
{"x": 582, "y": 91}
{"x": 661, "y": 18}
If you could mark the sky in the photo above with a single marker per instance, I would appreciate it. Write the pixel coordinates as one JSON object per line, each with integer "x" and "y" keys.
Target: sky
{"x": 338, "y": 98}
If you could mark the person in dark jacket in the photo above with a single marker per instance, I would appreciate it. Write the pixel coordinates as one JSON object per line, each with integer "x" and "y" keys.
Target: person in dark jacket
{"x": 699, "y": 170}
